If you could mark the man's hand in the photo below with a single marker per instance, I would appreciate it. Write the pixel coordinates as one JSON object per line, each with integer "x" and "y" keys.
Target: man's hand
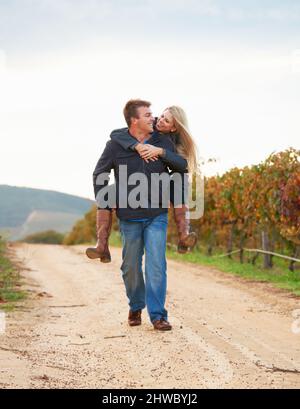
{"x": 148, "y": 152}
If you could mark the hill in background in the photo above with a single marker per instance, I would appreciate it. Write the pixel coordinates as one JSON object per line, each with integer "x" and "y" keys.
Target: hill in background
{"x": 25, "y": 211}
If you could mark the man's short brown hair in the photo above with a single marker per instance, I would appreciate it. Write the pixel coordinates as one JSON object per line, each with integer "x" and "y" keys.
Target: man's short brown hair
{"x": 130, "y": 109}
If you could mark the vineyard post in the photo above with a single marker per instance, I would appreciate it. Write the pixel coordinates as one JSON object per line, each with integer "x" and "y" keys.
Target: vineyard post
{"x": 296, "y": 254}
{"x": 230, "y": 240}
{"x": 265, "y": 247}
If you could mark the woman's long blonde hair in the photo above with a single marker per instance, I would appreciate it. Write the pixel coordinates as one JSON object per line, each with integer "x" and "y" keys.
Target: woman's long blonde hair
{"x": 186, "y": 145}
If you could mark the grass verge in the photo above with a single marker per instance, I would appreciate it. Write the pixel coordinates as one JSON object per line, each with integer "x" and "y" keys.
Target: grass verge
{"x": 279, "y": 275}
{"x": 9, "y": 281}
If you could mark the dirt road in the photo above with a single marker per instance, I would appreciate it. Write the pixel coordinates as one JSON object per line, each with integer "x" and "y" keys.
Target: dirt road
{"x": 72, "y": 332}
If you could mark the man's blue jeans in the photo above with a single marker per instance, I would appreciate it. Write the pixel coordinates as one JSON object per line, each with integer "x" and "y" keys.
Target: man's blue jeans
{"x": 151, "y": 236}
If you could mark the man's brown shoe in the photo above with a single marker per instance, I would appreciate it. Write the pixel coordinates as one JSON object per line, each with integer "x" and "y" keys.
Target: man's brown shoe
{"x": 162, "y": 325}
{"x": 135, "y": 318}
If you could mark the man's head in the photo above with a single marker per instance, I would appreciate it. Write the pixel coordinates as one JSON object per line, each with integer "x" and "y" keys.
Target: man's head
{"x": 138, "y": 115}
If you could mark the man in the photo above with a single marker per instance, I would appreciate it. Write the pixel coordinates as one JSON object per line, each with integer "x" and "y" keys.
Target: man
{"x": 143, "y": 228}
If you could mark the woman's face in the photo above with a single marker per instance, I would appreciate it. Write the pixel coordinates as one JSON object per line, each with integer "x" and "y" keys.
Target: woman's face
{"x": 165, "y": 123}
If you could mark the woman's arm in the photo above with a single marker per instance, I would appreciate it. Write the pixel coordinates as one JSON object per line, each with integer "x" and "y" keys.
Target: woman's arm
{"x": 149, "y": 152}
{"x": 174, "y": 161}
{"x": 167, "y": 155}
{"x": 123, "y": 138}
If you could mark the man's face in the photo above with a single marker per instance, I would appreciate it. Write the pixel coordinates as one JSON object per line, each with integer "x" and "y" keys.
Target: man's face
{"x": 145, "y": 119}
{"x": 165, "y": 123}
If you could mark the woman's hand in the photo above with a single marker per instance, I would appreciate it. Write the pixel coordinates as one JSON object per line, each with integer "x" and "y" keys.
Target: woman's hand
{"x": 148, "y": 152}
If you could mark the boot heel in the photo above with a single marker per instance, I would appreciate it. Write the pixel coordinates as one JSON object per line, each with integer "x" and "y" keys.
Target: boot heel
{"x": 191, "y": 240}
{"x": 105, "y": 259}
{"x": 187, "y": 244}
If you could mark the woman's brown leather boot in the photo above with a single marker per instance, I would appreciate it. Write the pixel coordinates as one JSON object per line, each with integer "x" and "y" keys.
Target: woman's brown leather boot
{"x": 187, "y": 240}
{"x": 103, "y": 223}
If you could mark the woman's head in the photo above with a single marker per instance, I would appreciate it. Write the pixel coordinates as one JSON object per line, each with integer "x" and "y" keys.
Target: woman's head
{"x": 174, "y": 120}
{"x": 165, "y": 122}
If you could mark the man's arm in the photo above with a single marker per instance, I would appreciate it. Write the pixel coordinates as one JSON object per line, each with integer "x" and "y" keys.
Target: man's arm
{"x": 123, "y": 138}
{"x": 104, "y": 166}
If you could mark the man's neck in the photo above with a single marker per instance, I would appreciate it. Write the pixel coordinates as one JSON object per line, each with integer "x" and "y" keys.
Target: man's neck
{"x": 139, "y": 135}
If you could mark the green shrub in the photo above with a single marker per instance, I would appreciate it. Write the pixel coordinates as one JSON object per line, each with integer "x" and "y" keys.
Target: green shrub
{"x": 46, "y": 237}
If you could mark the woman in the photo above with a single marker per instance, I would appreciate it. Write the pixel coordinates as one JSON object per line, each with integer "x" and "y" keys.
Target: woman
{"x": 172, "y": 122}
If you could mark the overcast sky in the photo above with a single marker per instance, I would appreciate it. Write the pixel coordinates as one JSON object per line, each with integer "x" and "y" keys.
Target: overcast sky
{"x": 67, "y": 67}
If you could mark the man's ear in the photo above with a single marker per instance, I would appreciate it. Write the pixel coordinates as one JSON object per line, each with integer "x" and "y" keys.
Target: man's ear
{"x": 134, "y": 120}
